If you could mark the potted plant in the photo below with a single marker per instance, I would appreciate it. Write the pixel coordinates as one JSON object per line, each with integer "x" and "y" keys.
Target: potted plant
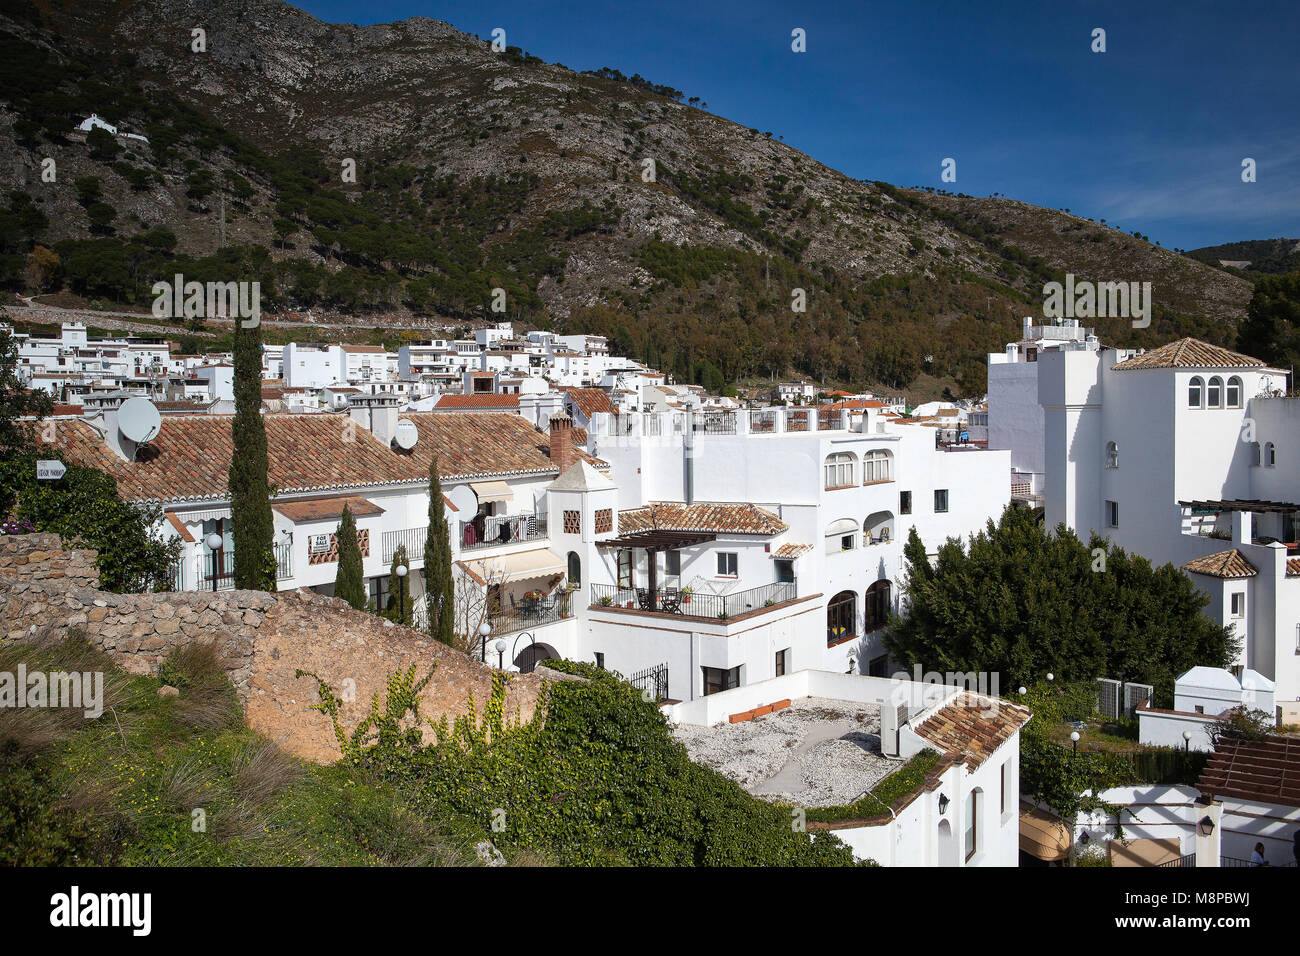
{"x": 686, "y": 595}
{"x": 606, "y": 600}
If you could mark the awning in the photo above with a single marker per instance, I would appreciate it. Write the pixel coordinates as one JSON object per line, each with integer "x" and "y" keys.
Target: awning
{"x": 492, "y": 491}
{"x": 539, "y": 563}
{"x": 1149, "y": 852}
{"x": 1043, "y": 835}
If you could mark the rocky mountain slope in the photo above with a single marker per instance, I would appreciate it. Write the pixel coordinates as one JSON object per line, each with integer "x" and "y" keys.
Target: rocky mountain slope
{"x": 477, "y": 169}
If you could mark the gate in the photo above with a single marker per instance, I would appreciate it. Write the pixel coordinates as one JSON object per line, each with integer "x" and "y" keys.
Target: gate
{"x": 652, "y": 680}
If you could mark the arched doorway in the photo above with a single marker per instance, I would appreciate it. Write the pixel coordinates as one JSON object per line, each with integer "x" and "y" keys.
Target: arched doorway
{"x": 530, "y": 655}
{"x": 841, "y": 618}
{"x": 947, "y": 845}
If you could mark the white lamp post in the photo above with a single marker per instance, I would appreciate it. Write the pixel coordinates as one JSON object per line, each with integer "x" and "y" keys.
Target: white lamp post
{"x": 401, "y": 592}
{"x": 484, "y": 630}
{"x": 500, "y": 645}
{"x": 1074, "y": 740}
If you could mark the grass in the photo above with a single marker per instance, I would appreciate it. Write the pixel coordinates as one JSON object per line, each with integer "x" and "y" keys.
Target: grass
{"x": 902, "y": 782}
{"x": 179, "y": 781}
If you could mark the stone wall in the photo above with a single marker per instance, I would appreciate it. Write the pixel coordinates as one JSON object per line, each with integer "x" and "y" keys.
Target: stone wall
{"x": 264, "y": 639}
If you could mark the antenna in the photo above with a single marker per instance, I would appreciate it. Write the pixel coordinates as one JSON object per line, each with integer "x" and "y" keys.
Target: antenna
{"x": 407, "y": 434}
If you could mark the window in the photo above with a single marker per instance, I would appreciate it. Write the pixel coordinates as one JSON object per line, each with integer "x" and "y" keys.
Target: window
{"x": 716, "y": 680}
{"x": 846, "y": 542}
{"x": 573, "y": 522}
{"x": 784, "y": 571}
{"x": 575, "y": 568}
{"x": 905, "y": 502}
{"x": 841, "y": 618}
{"x": 839, "y": 470}
{"x": 1238, "y": 604}
{"x": 1112, "y": 455}
{"x": 604, "y": 520}
{"x": 781, "y": 656}
{"x": 600, "y": 660}
{"x": 673, "y": 564}
{"x": 1270, "y": 455}
{"x": 876, "y": 612}
{"x": 972, "y": 811}
{"x": 379, "y": 591}
{"x": 727, "y": 564}
{"x": 625, "y": 569}
{"x": 1254, "y": 453}
{"x": 941, "y": 501}
{"x": 1112, "y": 514}
{"x": 875, "y": 466}
{"x": 1214, "y": 393}
{"x": 1194, "y": 391}
{"x": 1234, "y": 392}
{"x": 1002, "y": 786}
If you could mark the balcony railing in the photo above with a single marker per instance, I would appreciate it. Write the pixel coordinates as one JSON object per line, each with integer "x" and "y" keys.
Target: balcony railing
{"x": 510, "y": 622}
{"x": 283, "y": 562}
{"x": 486, "y": 531}
{"x": 412, "y": 538}
{"x": 695, "y": 605}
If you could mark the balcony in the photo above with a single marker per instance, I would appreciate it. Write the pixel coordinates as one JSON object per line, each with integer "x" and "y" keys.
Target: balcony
{"x": 487, "y": 531}
{"x": 703, "y": 607}
{"x": 525, "y": 618}
{"x": 411, "y": 538}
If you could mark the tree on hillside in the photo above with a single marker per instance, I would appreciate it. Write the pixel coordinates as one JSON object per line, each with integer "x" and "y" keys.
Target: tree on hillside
{"x": 1272, "y": 328}
{"x": 250, "y": 491}
{"x": 1021, "y": 603}
{"x": 349, "y": 581}
{"x": 438, "y": 586}
{"x": 16, "y": 400}
{"x": 399, "y": 589}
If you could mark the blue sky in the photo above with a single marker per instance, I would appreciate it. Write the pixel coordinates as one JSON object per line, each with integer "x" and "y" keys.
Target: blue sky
{"x": 1149, "y": 135}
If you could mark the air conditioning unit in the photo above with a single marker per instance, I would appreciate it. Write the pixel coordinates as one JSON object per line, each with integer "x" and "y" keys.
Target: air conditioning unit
{"x": 892, "y": 717}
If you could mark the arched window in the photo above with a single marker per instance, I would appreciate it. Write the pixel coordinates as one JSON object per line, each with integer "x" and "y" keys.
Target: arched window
{"x": 876, "y": 466}
{"x": 878, "y": 528}
{"x": 1112, "y": 455}
{"x": 876, "y": 612}
{"x": 841, "y": 618}
{"x": 575, "y": 568}
{"x": 1234, "y": 392}
{"x": 841, "y": 535}
{"x": 1270, "y": 455}
{"x": 1194, "y": 388}
{"x": 1254, "y": 453}
{"x": 1214, "y": 393}
{"x": 839, "y": 470}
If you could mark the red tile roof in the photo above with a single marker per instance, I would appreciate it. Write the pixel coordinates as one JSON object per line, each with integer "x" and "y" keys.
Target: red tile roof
{"x": 703, "y": 517}
{"x": 791, "y": 550}
{"x": 326, "y": 509}
{"x": 479, "y": 401}
{"x": 972, "y": 727}
{"x": 1189, "y": 353}
{"x": 1266, "y": 771}
{"x": 591, "y": 401}
{"x": 1222, "y": 564}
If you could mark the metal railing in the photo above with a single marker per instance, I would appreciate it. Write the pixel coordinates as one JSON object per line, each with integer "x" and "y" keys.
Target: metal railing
{"x": 217, "y": 575}
{"x": 486, "y": 531}
{"x": 412, "y": 538}
{"x": 695, "y": 605}
{"x": 762, "y": 421}
{"x": 797, "y": 419}
{"x": 283, "y": 562}
{"x": 715, "y": 423}
{"x": 653, "y": 680}
{"x": 508, "y": 622}
{"x": 1187, "y": 859}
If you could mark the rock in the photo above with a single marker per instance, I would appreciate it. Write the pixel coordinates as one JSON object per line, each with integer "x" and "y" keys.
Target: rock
{"x": 167, "y": 690}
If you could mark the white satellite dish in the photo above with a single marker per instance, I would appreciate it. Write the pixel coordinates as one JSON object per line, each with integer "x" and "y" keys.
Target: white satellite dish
{"x": 407, "y": 434}
{"x": 138, "y": 420}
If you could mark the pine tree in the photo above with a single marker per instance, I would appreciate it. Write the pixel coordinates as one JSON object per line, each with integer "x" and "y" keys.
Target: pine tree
{"x": 438, "y": 586}
{"x": 250, "y": 492}
{"x": 399, "y": 589}
{"x": 349, "y": 583}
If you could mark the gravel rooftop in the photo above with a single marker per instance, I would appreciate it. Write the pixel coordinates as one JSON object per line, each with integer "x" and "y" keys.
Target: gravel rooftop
{"x": 817, "y": 752}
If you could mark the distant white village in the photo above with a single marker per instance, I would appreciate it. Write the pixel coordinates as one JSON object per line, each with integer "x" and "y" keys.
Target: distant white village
{"x": 729, "y": 554}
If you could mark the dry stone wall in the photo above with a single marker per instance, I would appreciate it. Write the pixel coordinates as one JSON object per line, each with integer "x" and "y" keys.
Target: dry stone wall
{"x": 264, "y": 639}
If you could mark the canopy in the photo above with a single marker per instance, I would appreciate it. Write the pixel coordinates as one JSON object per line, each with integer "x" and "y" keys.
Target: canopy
{"x": 538, "y": 563}
{"x": 492, "y": 491}
{"x": 1043, "y": 835}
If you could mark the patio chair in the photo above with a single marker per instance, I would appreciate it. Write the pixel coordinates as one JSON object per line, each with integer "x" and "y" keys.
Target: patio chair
{"x": 671, "y": 601}
{"x": 643, "y": 599}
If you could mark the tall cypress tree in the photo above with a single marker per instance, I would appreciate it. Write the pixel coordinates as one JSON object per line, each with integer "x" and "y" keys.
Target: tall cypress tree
{"x": 438, "y": 586}
{"x": 349, "y": 582}
{"x": 250, "y": 491}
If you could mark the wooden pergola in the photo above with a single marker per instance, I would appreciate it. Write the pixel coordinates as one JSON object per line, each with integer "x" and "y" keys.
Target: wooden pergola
{"x": 652, "y": 541}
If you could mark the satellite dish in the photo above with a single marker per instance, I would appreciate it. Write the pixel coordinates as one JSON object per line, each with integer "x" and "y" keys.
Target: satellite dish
{"x": 138, "y": 420}
{"x": 407, "y": 434}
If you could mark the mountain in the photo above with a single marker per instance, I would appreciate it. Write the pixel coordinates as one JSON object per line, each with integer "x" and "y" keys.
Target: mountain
{"x": 1253, "y": 257}
{"x": 478, "y": 170}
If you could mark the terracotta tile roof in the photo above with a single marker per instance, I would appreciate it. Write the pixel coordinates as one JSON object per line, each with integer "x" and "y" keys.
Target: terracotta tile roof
{"x": 1222, "y": 564}
{"x": 326, "y": 509}
{"x": 1267, "y": 771}
{"x": 791, "y": 550}
{"x": 179, "y": 526}
{"x": 856, "y": 403}
{"x": 706, "y": 517}
{"x": 190, "y": 458}
{"x": 362, "y": 348}
{"x": 1293, "y": 567}
{"x": 972, "y": 727}
{"x": 1189, "y": 353}
{"x": 483, "y": 400}
{"x": 591, "y": 401}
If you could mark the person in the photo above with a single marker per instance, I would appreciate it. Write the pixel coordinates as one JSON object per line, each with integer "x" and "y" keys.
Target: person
{"x": 1257, "y": 858}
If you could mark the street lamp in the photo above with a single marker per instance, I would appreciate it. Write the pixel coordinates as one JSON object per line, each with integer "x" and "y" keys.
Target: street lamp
{"x": 484, "y": 630}
{"x": 401, "y": 592}
{"x": 1074, "y": 740}
{"x": 532, "y": 643}
{"x": 1187, "y": 741}
{"x": 500, "y": 645}
{"x": 213, "y": 541}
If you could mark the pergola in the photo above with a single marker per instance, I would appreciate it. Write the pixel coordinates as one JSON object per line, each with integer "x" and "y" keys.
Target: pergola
{"x": 652, "y": 541}
{"x": 1243, "y": 504}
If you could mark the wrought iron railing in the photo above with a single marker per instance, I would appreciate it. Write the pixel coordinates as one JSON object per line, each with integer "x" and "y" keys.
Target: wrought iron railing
{"x": 652, "y": 680}
{"x": 412, "y": 538}
{"x": 486, "y": 531}
{"x": 696, "y": 604}
{"x": 283, "y": 562}
{"x": 522, "y": 619}
{"x": 715, "y": 423}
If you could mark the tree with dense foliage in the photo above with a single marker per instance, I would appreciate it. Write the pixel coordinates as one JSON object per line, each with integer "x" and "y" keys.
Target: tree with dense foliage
{"x": 1272, "y": 328}
{"x": 349, "y": 581}
{"x": 1019, "y": 602}
{"x": 440, "y": 590}
{"x": 17, "y": 401}
{"x": 250, "y": 490}
{"x": 399, "y": 589}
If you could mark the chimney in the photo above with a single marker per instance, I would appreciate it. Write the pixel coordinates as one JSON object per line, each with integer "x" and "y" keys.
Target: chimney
{"x": 377, "y": 412}
{"x": 562, "y": 451}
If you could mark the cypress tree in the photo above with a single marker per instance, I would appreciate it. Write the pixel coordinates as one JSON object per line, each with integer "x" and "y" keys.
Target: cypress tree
{"x": 438, "y": 586}
{"x": 399, "y": 589}
{"x": 349, "y": 583}
{"x": 250, "y": 491}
